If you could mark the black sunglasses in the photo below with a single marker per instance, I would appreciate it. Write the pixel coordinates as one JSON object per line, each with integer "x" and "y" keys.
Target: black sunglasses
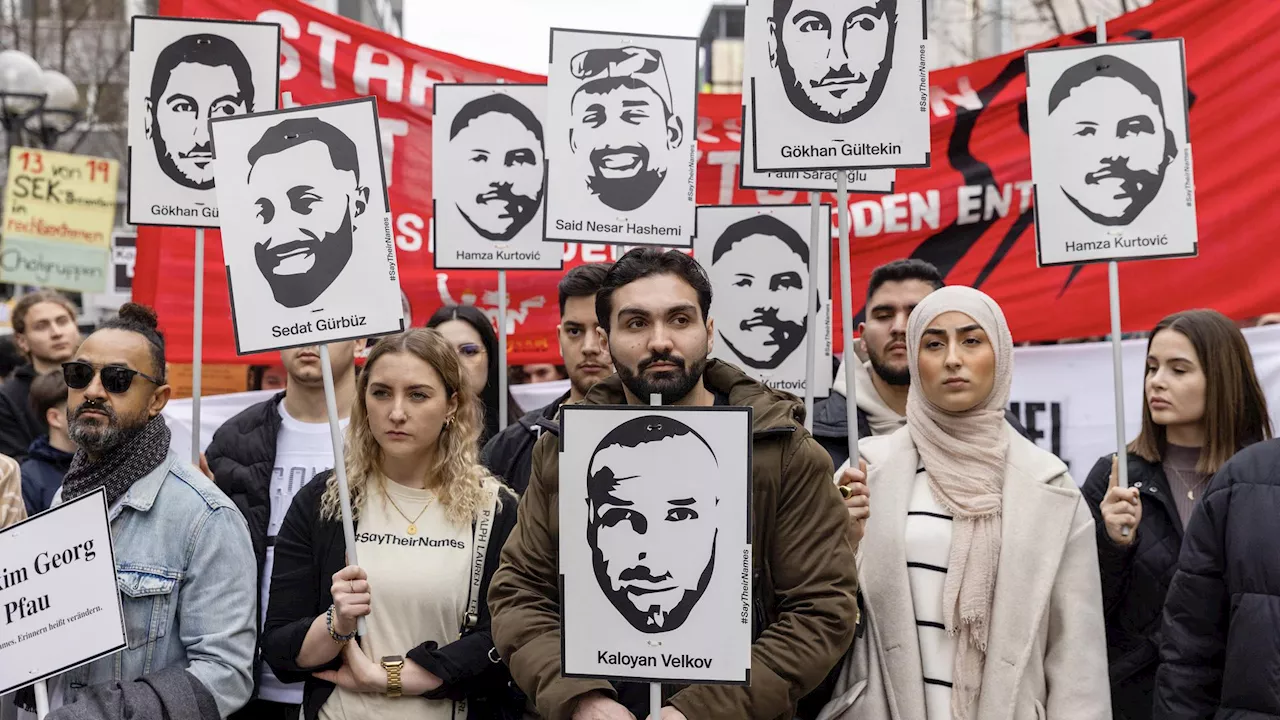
{"x": 115, "y": 379}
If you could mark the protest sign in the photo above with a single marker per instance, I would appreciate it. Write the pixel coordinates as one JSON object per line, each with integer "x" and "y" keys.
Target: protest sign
{"x": 53, "y": 264}
{"x": 758, "y": 260}
{"x": 59, "y": 602}
{"x": 655, "y": 543}
{"x": 309, "y": 254}
{"x": 182, "y": 74}
{"x": 59, "y": 196}
{"x": 837, "y": 85}
{"x": 621, "y": 138}
{"x": 1110, "y": 153}
{"x": 489, "y": 171}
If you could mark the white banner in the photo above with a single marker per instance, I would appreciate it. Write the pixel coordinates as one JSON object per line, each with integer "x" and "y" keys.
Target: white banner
{"x": 59, "y": 606}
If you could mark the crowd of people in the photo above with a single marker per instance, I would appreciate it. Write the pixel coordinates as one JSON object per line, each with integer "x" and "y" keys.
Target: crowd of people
{"x": 956, "y": 570}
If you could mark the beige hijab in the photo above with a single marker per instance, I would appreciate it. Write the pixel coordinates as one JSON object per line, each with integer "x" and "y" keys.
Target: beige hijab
{"x": 964, "y": 455}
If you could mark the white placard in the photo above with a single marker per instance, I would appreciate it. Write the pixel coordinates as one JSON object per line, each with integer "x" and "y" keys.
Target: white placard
{"x": 655, "y": 543}
{"x": 182, "y": 74}
{"x": 307, "y": 231}
{"x": 59, "y": 602}
{"x": 859, "y": 181}
{"x": 758, "y": 259}
{"x": 837, "y": 84}
{"x": 1110, "y": 153}
{"x": 488, "y": 174}
{"x": 621, "y": 138}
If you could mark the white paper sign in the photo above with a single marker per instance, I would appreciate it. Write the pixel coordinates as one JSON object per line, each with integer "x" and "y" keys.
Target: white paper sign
{"x": 655, "y": 543}
{"x": 621, "y": 138}
{"x": 758, "y": 259}
{"x": 488, "y": 175}
{"x": 182, "y": 74}
{"x": 59, "y": 603}
{"x": 859, "y": 181}
{"x": 1110, "y": 153}
{"x": 307, "y": 229}
{"x": 837, "y": 84}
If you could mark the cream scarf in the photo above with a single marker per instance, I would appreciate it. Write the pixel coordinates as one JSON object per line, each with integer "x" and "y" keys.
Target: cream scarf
{"x": 964, "y": 455}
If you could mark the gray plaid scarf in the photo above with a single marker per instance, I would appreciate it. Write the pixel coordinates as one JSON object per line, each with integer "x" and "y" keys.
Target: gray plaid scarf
{"x": 132, "y": 459}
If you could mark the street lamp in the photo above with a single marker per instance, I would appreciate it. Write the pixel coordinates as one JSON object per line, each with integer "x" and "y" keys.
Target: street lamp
{"x": 59, "y": 113}
{"x": 21, "y": 90}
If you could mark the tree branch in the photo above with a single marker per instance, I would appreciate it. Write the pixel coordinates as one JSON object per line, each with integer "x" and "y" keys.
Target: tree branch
{"x": 69, "y": 28}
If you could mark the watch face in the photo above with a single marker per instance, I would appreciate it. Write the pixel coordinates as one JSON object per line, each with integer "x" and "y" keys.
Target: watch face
{"x": 390, "y": 659}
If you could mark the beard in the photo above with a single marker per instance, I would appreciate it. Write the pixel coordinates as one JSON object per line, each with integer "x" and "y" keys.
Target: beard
{"x": 329, "y": 259}
{"x": 897, "y": 378}
{"x": 624, "y": 193}
{"x": 1140, "y": 186}
{"x": 519, "y": 210}
{"x": 98, "y": 437}
{"x": 164, "y": 156}
{"x": 653, "y": 619}
{"x": 673, "y": 385}
{"x": 796, "y": 92}
{"x": 784, "y": 335}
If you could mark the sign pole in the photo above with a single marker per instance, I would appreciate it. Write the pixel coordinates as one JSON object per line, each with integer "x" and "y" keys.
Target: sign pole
{"x": 339, "y": 465}
{"x": 655, "y": 689}
{"x": 846, "y": 314}
{"x": 42, "y": 699}
{"x": 502, "y": 349}
{"x": 811, "y": 340}
{"x": 197, "y": 348}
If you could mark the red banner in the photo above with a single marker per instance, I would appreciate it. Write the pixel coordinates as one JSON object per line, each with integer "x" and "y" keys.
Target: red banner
{"x": 969, "y": 214}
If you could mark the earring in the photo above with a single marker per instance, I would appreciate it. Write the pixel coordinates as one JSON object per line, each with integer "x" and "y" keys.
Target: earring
{"x": 448, "y": 422}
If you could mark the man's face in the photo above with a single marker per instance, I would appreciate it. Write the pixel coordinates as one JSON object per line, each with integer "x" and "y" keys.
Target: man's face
{"x": 501, "y": 189}
{"x": 303, "y": 364}
{"x": 620, "y": 139}
{"x": 305, "y": 207}
{"x": 1112, "y": 141}
{"x": 99, "y": 420}
{"x": 761, "y": 301}
{"x": 51, "y": 335}
{"x": 179, "y": 120}
{"x": 884, "y": 334}
{"x": 658, "y": 339}
{"x": 834, "y": 55}
{"x": 586, "y": 357}
{"x": 653, "y": 536}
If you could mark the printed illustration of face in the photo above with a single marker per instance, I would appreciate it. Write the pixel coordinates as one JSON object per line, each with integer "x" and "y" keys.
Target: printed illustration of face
{"x": 620, "y": 135}
{"x": 761, "y": 305}
{"x": 500, "y": 189}
{"x": 1112, "y": 141}
{"x": 833, "y": 56}
{"x": 653, "y": 529}
{"x": 178, "y": 123}
{"x": 305, "y": 206}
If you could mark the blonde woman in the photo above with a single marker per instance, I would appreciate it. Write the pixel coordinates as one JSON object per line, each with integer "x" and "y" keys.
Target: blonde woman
{"x": 426, "y": 513}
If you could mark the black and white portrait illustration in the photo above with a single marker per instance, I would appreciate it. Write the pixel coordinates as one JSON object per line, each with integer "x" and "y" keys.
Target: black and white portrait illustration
{"x": 653, "y": 538}
{"x": 489, "y": 177}
{"x": 837, "y": 84}
{"x": 183, "y": 74}
{"x": 307, "y": 228}
{"x": 759, "y": 259}
{"x": 621, "y": 121}
{"x": 1110, "y": 156}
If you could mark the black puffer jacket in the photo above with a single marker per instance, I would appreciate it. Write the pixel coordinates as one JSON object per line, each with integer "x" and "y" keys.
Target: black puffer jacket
{"x": 241, "y": 457}
{"x": 509, "y": 454}
{"x": 19, "y": 425}
{"x": 1135, "y": 580}
{"x": 1220, "y": 650}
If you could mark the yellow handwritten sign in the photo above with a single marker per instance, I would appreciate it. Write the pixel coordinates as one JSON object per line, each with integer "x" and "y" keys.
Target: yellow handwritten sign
{"x": 59, "y": 196}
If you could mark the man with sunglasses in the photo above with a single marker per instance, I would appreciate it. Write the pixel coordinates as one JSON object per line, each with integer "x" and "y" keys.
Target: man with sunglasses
{"x": 261, "y": 458}
{"x": 182, "y": 550}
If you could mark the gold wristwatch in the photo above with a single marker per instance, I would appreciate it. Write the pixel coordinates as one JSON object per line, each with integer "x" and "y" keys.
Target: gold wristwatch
{"x": 393, "y": 664}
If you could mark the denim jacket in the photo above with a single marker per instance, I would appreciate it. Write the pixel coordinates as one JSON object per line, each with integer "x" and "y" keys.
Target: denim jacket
{"x": 185, "y": 569}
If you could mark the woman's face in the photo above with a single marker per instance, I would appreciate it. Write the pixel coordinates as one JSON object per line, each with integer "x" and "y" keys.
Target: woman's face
{"x": 1175, "y": 382}
{"x": 470, "y": 347}
{"x": 957, "y": 363}
{"x": 407, "y": 404}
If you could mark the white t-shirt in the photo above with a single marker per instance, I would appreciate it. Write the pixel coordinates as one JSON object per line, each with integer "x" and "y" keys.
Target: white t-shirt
{"x": 419, "y": 583}
{"x": 303, "y": 450}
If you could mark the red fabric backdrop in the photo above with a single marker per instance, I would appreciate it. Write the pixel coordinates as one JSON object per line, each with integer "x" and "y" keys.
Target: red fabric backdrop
{"x": 968, "y": 214}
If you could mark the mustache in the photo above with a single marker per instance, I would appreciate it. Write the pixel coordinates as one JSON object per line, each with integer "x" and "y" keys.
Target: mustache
{"x": 599, "y": 155}
{"x": 768, "y": 317}
{"x": 839, "y": 75}
{"x": 202, "y": 149}
{"x": 517, "y": 205}
{"x": 1132, "y": 180}
{"x": 642, "y": 573}
{"x": 661, "y": 358}
{"x": 94, "y": 405}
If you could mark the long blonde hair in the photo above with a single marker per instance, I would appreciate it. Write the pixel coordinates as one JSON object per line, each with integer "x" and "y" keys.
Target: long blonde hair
{"x": 461, "y": 482}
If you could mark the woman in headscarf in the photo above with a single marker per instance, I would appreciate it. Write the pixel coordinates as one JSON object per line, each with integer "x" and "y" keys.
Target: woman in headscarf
{"x": 979, "y": 572}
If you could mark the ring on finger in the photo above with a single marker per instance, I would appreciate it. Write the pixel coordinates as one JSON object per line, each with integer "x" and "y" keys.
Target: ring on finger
{"x": 846, "y": 492}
